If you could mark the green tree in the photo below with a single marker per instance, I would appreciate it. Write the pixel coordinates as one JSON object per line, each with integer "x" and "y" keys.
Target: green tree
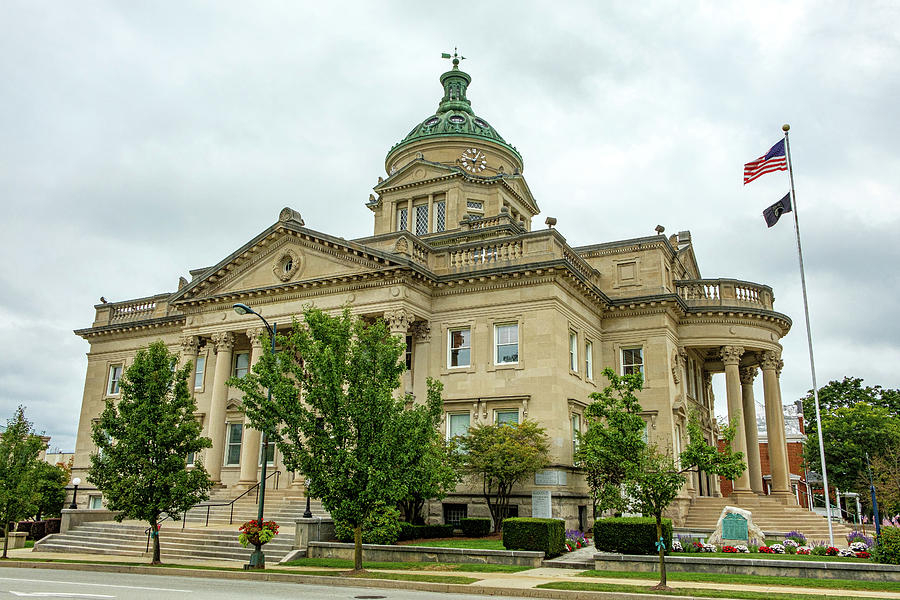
{"x": 886, "y": 476}
{"x": 855, "y": 420}
{"x": 500, "y": 456}
{"x": 430, "y": 465}
{"x": 144, "y": 441}
{"x": 334, "y": 413}
{"x": 19, "y": 449}
{"x": 610, "y": 448}
{"x": 50, "y": 485}
{"x": 846, "y": 393}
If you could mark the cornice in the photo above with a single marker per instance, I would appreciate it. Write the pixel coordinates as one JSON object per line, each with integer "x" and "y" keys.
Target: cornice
{"x": 144, "y": 325}
{"x": 624, "y": 246}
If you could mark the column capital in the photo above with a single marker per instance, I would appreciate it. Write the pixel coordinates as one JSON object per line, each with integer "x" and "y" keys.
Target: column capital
{"x": 256, "y": 336}
{"x": 778, "y": 367}
{"x": 748, "y": 374}
{"x": 679, "y": 359}
{"x": 224, "y": 341}
{"x": 768, "y": 360}
{"x": 190, "y": 344}
{"x": 731, "y": 355}
{"x": 398, "y": 320}
{"x": 421, "y": 331}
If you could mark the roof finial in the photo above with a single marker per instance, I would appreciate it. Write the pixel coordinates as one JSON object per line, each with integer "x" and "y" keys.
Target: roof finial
{"x": 455, "y": 56}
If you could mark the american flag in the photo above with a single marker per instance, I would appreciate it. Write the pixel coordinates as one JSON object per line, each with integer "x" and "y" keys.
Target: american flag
{"x": 773, "y": 160}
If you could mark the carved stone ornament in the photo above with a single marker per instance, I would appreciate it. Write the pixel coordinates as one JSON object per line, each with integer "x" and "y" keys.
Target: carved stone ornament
{"x": 475, "y": 414}
{"x": 289, "y": 214}
{"x": 224, "y": 341}
{"x": 768, "y": 360}
{"x": 256, "y": 337}
{"x": 401, "y": 247}
{"x": 421, "y": 331}
{"x": 779, "y": 367}
{"x": 190, "y": 344}
{"x": 525, "y": 408}
{"x": 731, "y": 355}
{"x": 748, "y": 374}
{"x": 679, "y": 358}
{"x": 286, "y": 265}
{"x": 398, "y": 320}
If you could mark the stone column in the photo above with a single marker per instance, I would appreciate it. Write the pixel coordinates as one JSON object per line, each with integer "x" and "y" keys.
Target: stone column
{"x": 398, "y": 322}
{"x": 250, "y": 448}
{"x": 731, "y": 356}
{"x": 421, "y": 334}
{"x": 190, "y": 346}
{"x": 748, "y": 374}
{"x": 781, "y": 486}
{"x": 224, "y": 344}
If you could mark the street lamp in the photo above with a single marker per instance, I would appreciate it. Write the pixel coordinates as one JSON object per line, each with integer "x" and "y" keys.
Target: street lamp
{"x": 258, "y": 558}
{"x": 75, "y": 483}
{"x": 308, "y": 513}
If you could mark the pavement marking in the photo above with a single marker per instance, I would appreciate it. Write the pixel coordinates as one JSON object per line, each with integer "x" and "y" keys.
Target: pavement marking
{"x": 58, "y": 595}
{"x": 109, "y": 585}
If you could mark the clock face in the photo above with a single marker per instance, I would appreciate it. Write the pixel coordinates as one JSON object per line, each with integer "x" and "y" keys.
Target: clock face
{"x": 473, "y": 160}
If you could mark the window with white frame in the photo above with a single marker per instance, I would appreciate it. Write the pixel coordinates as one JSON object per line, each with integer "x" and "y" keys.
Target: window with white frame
{"x": 241, "y": 364}
{"x": 95, "y": 502}
{"x": 199, "y": 369}
{"x": 457, "y": 424}
{"x": 632, "y": 361}
{"x": 589, "y": 360}
{"x": 233, "y": 445}
{"x": 506, "y": 344}
{"x": 576, "y": 429}
{"x": 573, "y": 351}
{"x": 422, "y": 219}
{"x": 115, "y": 374}
{"x": 475, "y": 205}
{"x": 459, "y": 347}
{"x": 402, "y": 219}
{"x": 270, "y": 454}
{"x": 440, "y": 215}
{"x": 506, "y": 416}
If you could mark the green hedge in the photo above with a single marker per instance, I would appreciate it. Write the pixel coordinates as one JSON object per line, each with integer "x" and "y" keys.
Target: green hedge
{"x": 630, "y": 535}
{"x": 887, "y": 550}
{"x": 419, "y": 532}
{"x": 544, "y": 535}
{"x": 475, "y": 526}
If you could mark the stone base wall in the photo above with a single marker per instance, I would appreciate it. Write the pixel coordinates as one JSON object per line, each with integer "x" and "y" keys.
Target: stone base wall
{"x": 380, "y": 553}
{"x": 564, "y": 506}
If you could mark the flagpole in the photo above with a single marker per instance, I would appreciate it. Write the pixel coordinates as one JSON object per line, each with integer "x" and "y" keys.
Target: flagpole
{"x": 812, "y": 362}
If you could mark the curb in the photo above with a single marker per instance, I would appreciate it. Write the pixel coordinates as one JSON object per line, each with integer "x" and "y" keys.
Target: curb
{"x": 451, "y": 588}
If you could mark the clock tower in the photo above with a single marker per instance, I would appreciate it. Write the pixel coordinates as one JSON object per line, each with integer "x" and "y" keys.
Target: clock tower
{"x": 452, "y": 168}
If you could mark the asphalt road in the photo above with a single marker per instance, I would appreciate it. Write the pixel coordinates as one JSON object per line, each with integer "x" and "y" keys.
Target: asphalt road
{"x": 88, "y": 585}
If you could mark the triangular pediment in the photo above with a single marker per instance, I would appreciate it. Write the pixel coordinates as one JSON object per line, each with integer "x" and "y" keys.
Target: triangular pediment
{"x": 414, "y": 172}
{"x": 689, "y": 260}
{"x": 284, "y": 254}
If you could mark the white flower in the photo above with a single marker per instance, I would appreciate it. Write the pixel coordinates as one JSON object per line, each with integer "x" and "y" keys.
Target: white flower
{"x": 847, "y": 552}
{"x": 777, "y": 548}
{"x": 709, "y": 548}
{"x": 791, "y": 543}
{"x": 742, "y": 548}
{"x": 859, "y": 546}
{"x": 676, "y": 546}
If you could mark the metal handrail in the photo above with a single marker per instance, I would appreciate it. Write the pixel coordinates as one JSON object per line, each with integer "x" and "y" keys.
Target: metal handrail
{"x": 276, "y": 474}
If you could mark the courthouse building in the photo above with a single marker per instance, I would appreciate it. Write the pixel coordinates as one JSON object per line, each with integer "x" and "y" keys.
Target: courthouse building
{"x": 515, "y": 322}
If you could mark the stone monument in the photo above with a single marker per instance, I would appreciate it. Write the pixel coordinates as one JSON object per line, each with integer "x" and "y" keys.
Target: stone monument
{"x": 735, "y": 526}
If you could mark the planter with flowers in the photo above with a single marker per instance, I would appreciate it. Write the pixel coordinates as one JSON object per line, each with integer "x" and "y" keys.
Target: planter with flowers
{"x": 256, "y": 533}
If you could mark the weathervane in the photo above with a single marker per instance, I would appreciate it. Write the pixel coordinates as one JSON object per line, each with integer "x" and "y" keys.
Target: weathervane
{"x": 455, "y": 56}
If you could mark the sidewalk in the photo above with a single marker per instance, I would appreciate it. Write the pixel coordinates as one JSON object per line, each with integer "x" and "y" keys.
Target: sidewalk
{"x": 488, "y": 583}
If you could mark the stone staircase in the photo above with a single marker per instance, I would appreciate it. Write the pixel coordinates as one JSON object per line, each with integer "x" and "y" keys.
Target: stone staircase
{"x": 283, "y": 506}
{"x": 122, "y": 539}
{"x": 769, "y": 514}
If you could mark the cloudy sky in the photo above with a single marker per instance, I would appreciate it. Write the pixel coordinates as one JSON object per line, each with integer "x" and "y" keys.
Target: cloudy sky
{"x": 141, "y": 140}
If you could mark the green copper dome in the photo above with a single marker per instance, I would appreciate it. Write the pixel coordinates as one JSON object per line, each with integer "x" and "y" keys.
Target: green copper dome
{"x": 454, "y": 116}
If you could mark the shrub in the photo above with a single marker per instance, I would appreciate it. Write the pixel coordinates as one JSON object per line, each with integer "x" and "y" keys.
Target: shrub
{"x": 796, "y": 536}
{"x": 630, "y": 535}
{"x": 35, "y": 529}
{"x": 818, "y": 551}
{"x": 382, "y": 527}
{"x": 858, "y": 537}
{"x": 887, "y": 550}
{"x": 475, "y": 526}
{"x": 546, "y": 535}
{"x": 409, "y": 531}
{"x": 52, "y": 525}
{"x": 831, "y": 551}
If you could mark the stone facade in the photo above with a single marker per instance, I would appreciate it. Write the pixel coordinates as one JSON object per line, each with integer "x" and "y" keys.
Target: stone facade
{"x": 515, "y": 322}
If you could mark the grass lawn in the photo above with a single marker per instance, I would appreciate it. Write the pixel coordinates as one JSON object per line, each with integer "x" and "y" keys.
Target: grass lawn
{"x": 474, "y": 544}
{"x": 337, "y": 563}
{"x": 29, "y": 543}
{"x": 831, "y": 584}
{"x": 763, "y": 556}
{"x": 694, "y": 592}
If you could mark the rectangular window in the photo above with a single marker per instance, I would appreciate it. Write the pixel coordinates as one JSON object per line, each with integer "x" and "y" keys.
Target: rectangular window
{"x": 632, "y": 361}
{"x": 576, "y": 429}
{"x": 691, "y": 378}
{"x": 233, "y": 447}
{"x": 408, "y": 352}
{"x": 459, "y": 348}
{"x": 440, "y": 216}
{"x": 506, "y": 342}
{"x": 95, "y": 502}
{"x": 457, "y": 424}
{"x": 474, "y": 205}
{"x": 454, "y": 512}
{"x": 241, "y": 364}
{"x": 502, "y": 417}
{"x": 422, "y": 219}
{"x": 402, "y": 219}
{"x": 189, "y": 459}
{"x": 573, "y": 351}
{"x": 270, "y": 454}
{"x": 199, "y": 369}
{"x": 115, "y": 374}
{"x": 589, "y": 360}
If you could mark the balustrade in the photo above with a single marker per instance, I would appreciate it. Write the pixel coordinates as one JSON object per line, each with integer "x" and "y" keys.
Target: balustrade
{"x": 724, "y": 292}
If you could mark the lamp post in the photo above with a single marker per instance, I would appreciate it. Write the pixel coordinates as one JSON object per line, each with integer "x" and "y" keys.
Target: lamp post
{"x": 75, "y": 483}
{"x": 308, "y": 513}
{"x": 258, "y": 558}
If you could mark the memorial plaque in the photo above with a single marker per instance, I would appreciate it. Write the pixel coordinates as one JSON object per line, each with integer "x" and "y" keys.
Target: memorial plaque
{"x": 734, "y": 527}
{"x": 540, "y": 504}
{"x": 550, "y": 477}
